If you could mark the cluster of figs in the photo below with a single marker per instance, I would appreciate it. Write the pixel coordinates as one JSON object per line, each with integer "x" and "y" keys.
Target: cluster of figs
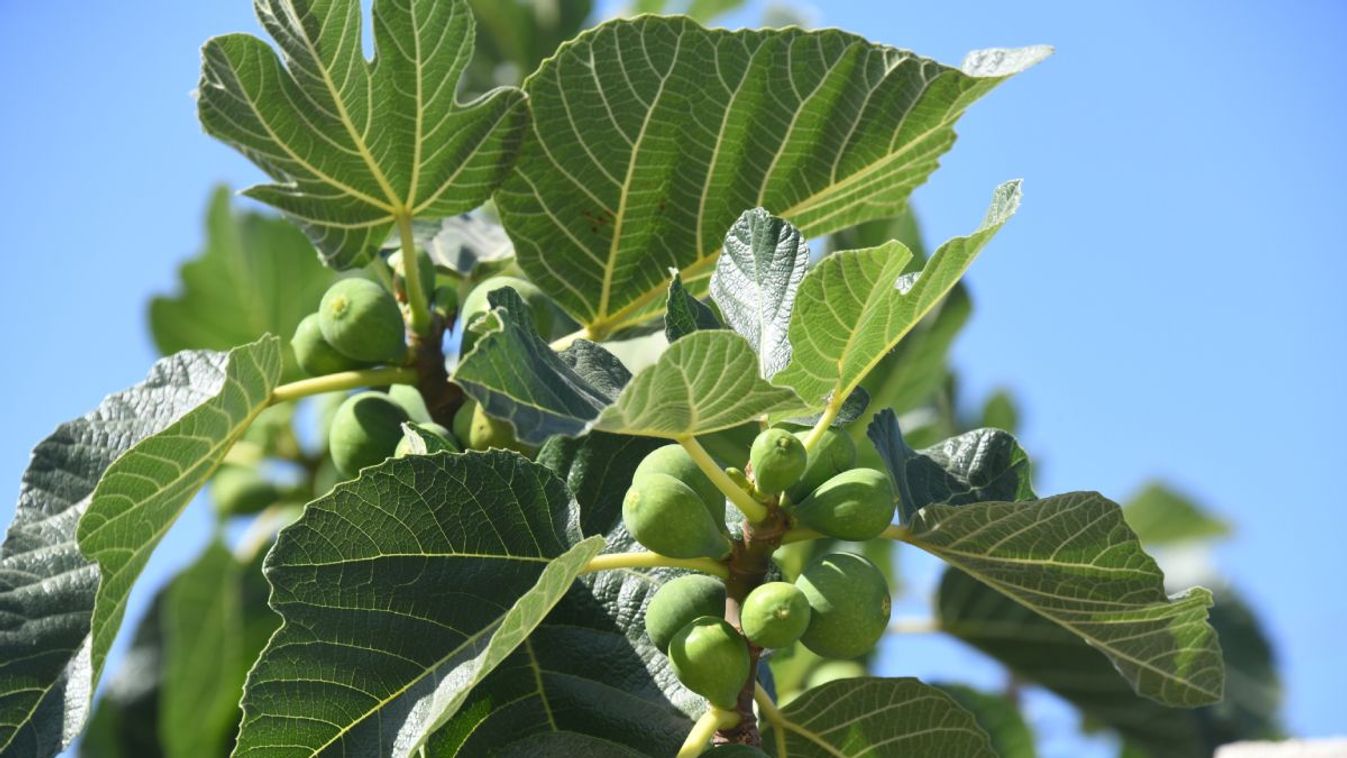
{"x": 839, "y": 605}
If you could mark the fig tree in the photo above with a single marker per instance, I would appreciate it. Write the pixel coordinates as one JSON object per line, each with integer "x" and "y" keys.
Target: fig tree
{"x": 778, "y": 458}
{"x": 854, "y": 505}
{"x": 774, "y": 614}
{"x": 365, "y": 431}
{"x": 675, "y": 461}
{"x": 678, "y": 602}
{"x": 667, "y": 517}
{"x": 849, "y": 605}
{"x": 475, "y": 304}
{"x": 363, "y": 322}
{"x": 711, "y": 659}
{"x": 834, "y": 453}
{"x": 241, "y": 490}
{"x": 314, "y": 354}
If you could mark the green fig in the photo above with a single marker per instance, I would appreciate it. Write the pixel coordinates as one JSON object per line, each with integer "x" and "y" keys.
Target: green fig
{"x": 478, "y": 431}
{"x": 675, "y": 461}
{"x": 445, "y": 301}
{"x": 409, "y": 397}
{"x": 854, "y": 505}
{"x": 774, "y": 614}
{"x": 365, "y": 431}
{"x": 734, "y": 751}
{"x": 425, "y": 268}
{"x": 831, "y": 671}
{"x": 834, "y": 453}
{"x": 849, "y": 605}
{"x": 678, "y": 601}
{"x": 779, "y": 459}
{"x": 476, "y": 303}
{"x": 667, "y": 517}
{"x": 363, "y": 322}
{"x": 241, "y": 490}
{"x": 314, "y": 354}
{"x": 711, "y": 659}
{"x": 424, "y": 439}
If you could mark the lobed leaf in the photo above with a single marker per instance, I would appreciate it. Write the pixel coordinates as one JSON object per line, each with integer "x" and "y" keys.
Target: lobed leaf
{"x": 47, "y": 587}
{"x": 400, "y": 591}
{"x": 355, "y": 145}
{"x": 855, "y": 306}
{"x": 1072, "y": 559}
{"x": 755, "y": 281}
{"x": 652, "y": 135}
{"x": 870, "y": 717}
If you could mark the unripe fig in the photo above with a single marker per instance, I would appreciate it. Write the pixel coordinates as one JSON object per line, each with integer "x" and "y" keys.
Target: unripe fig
{"x": 734, "y": 751}
{"x": 711, "y": 659}
{"x": 445, "y": 300}
{"x": 424, "y": 439}
{"x": 365, "y": 431}
{"x": 778, "y": 459}
{"x": 424, "y": 266}
{"x": 831, "y": 671}
{"x": 849, "y": 605}
{"x": 678, "y": 602}
{"x": 241, "y": 490}
{"x": 314, "y": 354}
{"x": 854, "y": 505}
{"x": 675, "y": 461}
{"x": 409, "y": 397}
{"x": 834, "y": 453}
{"x": 476, "y": 303}
{"x": 774, "y": 614}
{"x": 478, "y": 431}
{"x": 667, "y": 517}
{"x": 363, "y": 322}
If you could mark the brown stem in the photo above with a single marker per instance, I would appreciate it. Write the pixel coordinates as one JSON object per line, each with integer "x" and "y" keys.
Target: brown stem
{"x": 442, "y": 396}
{"x": 749, "y": 563}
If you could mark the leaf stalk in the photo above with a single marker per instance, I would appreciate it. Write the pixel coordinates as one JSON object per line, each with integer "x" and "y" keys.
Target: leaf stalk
{"x": 418, "y": 308}
{"x": 611, "y": 561}
{"x": 343, "y": 380}
{"x": 754, "y": 511}
{"x": 706, "y": 727}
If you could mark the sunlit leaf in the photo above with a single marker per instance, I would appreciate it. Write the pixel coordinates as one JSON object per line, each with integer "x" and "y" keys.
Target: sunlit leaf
{"x": 685, "y": 314}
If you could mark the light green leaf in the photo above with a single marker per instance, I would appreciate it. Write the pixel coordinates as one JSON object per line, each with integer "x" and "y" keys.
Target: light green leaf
{"x": 354, "y": 145}
{"x": 853, "y": 307}
{"x": 652, "y": 135}
{"x": 215, "y": 622}
{"x": 704, "y": 382}
{"x": 257, "y": 275}
{"x": 755, "y": 281}
{"x": 685, "y": 314}
{"x": 1161, "y": 516}
{"x": 873, "y": 717}
{"x": 47, "y": 586}
{"x": 141, "y": 495}
{"x": 389, "y": 626}
{"x": 999, "y": 718}
{"x": 1072, "y": 559}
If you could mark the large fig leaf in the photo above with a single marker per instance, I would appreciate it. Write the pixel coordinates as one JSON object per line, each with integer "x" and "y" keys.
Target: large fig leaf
{"x": 399, "y": 592}
{"x": 47, "y": 586}
{"x": 353, "y": 145}
{"x": 1071, "y": 559}
{"x": 652, "y": 135}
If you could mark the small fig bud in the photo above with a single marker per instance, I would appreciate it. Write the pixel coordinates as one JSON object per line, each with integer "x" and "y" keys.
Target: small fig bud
{"x": 479, "y": 431}
{"x": 711, "y": 659}
{"x": 778, "y": 459}
{"x": 678, "y": 601}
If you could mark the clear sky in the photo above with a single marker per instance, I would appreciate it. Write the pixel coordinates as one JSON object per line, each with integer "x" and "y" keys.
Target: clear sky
{"x": 1167, "y": 302}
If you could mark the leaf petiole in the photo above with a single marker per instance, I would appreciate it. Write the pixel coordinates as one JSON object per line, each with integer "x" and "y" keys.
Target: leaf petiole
{"x": 825, "y": 420}
{"x": 753, "y": 510}
{"x": 611, "y": 561}
{"x": 411, "y": 274}
{"x": 343, "y": 380}
{"x": 772, "y": 714}
{"x": 706, "y": 727}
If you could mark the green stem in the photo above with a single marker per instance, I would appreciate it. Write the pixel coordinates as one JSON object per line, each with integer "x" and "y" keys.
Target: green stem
{"x": 654, "y": 560}
{"x": 705, "y": 729}
{"x": 801, "y": 534}
{"x": 343, "y": 380}
{"x": 896, "y": 532}
{"x": 825, "y": 420}
{"x": 411, "y": 274}
{"x": 754, "y": 511}
{"x": 773, "y": 716}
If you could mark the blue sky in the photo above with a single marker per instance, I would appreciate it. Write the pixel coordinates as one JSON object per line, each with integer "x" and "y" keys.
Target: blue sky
{"x": 1167, "y": 303}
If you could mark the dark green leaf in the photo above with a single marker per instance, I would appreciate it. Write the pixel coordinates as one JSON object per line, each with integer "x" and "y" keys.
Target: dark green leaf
{"x": 1072, "y": 559}
{"x": 597, "y": 469}
{"x": 873, "y": 717}
{"x": 47, "y": 586}
{"x": 652, "y": 135}
{"x": 1161, "y": 516}
{"x": 565, "y": 745}
{"x": 685, "y": 314}
{"x": 143, "y": 492}
{"x": 998, "y": 717}
{"x": 388, "y": 626}
{"x": 755, "y": 280}
{"x": 353, "y": 145}
{"x": 257, "y": 275}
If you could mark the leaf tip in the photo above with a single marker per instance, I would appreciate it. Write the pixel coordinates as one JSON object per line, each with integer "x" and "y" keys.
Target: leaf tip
{"x": 1001, "y": 62}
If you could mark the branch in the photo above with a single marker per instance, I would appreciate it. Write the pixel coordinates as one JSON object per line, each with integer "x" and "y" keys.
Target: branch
{"x": 706, "y": 727}
{"x": 755, "y": 512}
{"x": 654, "y": 560}
{"x": 343, "y": 380}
